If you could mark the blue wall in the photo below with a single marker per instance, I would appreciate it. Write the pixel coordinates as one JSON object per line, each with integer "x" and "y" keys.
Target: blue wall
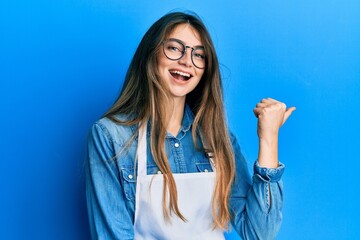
{"x": 62, "y": 64}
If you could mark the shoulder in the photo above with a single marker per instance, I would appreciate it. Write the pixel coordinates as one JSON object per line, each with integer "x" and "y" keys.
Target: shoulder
{"x": 241, "y": 164}
{"x": 113, "y": 131}
{"x": 233, "y": 140}
{"x": 240, "y": 160}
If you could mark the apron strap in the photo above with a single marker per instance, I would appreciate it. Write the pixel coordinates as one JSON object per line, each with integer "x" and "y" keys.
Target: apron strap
{"x": 141, "y": 150}
{"x": 208, "y": 154}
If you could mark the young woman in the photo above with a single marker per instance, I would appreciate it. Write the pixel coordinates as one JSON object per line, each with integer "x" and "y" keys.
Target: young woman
{"x": 162, "y": 163}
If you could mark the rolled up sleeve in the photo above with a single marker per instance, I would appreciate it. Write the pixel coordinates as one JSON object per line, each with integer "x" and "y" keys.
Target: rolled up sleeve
{"x": 256, "y": 203}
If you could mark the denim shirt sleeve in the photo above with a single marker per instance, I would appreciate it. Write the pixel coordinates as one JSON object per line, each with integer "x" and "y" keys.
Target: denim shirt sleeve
{"x": 109, "y": 217}
{"x": 256, "y": 204}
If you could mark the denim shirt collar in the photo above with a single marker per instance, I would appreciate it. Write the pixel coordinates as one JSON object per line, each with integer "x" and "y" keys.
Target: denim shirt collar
{"x": 186, "y": 123}
{"x": 187, "y": 120}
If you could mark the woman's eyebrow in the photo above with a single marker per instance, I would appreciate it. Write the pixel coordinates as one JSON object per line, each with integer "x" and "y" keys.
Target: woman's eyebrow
{"x": 194, "y": 46}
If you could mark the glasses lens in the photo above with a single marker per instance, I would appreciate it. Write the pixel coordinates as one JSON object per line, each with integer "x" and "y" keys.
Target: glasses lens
{"x": 198, "y": 57}
{"x": 173, "y": 49}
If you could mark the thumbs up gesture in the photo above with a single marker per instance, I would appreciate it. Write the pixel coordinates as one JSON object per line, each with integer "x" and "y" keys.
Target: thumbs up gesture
{"x": 271, "y": 115}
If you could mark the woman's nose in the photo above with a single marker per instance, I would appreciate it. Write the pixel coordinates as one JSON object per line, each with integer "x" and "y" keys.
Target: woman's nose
{"x": 186, "y": 59}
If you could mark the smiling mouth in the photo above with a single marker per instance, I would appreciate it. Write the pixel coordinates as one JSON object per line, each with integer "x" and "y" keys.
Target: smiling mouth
{"x": 182, "y": 76}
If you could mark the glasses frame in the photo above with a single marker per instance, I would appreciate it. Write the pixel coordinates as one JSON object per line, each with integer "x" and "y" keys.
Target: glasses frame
{"x": 184, "y": 51}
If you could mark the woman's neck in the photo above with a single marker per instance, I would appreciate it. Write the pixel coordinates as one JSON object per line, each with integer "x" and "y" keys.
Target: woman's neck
{"x": 177, "y": 113}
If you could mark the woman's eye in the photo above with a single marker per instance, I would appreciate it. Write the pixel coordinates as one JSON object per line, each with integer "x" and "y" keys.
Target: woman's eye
{"x": 199, "y": 56}
{"x": 174, "y": 49}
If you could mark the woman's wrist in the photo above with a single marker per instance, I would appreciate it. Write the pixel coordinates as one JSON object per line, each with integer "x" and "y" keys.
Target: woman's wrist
{"x": 268, "y": 152}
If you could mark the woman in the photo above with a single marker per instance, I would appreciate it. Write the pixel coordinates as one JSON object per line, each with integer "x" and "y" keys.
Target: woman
{"x": 162, "y": 164}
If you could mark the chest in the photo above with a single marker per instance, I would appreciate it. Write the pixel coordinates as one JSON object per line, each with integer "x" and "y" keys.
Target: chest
{"x": 183, "y": 157}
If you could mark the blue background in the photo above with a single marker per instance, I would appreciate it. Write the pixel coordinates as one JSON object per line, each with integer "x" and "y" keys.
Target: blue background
{"x": 62, "y": 64}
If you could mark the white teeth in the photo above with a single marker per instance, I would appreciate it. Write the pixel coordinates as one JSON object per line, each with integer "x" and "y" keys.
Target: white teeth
{"x": 181, "y": 73}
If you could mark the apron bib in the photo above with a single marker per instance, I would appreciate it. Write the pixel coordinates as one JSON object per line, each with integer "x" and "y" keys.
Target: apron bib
{"x": 195, "y": 192}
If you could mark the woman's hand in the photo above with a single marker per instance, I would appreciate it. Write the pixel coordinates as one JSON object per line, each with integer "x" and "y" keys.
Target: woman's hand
{"x": 271, "y": 115}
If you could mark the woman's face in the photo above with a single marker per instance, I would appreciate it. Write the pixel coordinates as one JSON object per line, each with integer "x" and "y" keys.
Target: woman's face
{"x": 181, "y": 75}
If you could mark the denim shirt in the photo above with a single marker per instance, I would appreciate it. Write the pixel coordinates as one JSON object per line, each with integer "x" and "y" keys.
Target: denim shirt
{"x": 255, "y": 204}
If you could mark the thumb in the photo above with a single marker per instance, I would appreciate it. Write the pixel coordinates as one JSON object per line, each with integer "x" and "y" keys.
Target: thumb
{"x": 288, "y": 112}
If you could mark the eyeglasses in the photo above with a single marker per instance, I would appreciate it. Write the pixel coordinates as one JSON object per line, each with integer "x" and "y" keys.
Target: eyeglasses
{"x": 174, "y": 49}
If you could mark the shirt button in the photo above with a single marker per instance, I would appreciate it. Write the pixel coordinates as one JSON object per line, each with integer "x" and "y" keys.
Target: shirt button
{"x": 130, "y": 176}
{"x": 176, "y": 145}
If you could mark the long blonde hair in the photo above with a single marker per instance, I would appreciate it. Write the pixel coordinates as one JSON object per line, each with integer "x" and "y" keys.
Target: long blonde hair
{"x": 145, "y": 97}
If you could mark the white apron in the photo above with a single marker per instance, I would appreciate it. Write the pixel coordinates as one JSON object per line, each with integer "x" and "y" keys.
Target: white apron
{"x": 195, "y": 192}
